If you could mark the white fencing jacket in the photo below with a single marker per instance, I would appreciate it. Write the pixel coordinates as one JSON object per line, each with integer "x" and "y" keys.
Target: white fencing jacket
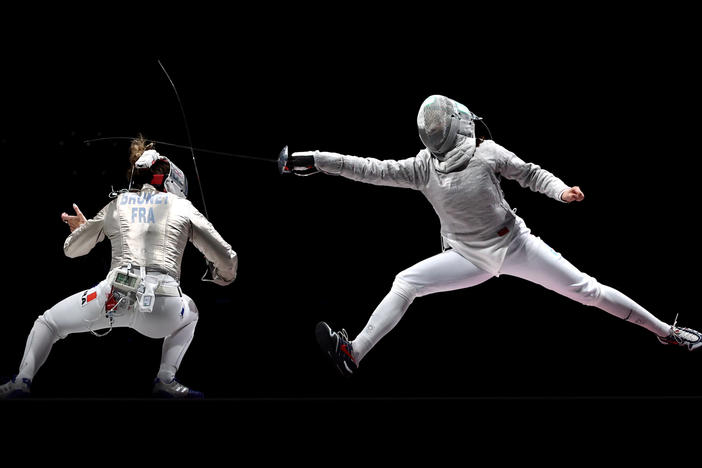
{"x": 463, "y": 188}
{"x": 151, "y": 229}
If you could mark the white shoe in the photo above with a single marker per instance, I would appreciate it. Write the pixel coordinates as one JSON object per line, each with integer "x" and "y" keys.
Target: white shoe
{"x": 683, "y": 337}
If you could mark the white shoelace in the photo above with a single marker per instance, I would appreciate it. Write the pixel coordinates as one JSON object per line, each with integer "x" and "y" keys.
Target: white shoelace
{"x": 682, "y": 334}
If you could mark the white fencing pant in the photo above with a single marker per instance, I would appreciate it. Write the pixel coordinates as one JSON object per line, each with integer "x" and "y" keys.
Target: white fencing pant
{"x": 172, "y": 318}
{"x": 528, "y": 257}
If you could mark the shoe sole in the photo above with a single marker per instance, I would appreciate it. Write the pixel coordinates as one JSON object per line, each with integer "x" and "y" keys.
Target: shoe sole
{"x": 16, "y": 395}
{"x": 167, "y": 396}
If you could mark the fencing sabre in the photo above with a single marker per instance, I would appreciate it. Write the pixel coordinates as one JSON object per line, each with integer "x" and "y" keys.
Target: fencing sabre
{"x": 176, "y": 145}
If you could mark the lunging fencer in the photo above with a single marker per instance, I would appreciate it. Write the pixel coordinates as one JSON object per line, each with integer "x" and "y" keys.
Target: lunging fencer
{"x": 149, "y": 226}
{"x": 482, "y": 236}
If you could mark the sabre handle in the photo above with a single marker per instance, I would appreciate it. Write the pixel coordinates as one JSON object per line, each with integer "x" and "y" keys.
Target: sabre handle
{"x": 301, "y": 163}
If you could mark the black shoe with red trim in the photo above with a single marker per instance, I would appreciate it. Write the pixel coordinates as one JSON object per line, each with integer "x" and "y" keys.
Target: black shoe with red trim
{"x": 337, "y": 347}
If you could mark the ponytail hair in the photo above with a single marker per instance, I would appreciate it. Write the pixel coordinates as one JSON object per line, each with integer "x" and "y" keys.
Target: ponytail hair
{"x": 140, "y": 177}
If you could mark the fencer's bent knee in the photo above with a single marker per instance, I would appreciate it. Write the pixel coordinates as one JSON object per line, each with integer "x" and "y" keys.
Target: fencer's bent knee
{"x": 404, "y": 288}
{"x": 42, "y": 321}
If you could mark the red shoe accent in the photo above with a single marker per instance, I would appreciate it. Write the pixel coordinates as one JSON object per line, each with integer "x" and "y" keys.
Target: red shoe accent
{"x": 345, "y": 350}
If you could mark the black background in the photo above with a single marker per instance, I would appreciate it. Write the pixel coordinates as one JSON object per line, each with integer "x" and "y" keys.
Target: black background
{"x": 601, "y": 99}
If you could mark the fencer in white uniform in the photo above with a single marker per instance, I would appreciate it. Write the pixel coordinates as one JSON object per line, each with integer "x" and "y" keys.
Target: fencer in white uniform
{"x": 482, "y": 236}
{"x": 148, "y": 229}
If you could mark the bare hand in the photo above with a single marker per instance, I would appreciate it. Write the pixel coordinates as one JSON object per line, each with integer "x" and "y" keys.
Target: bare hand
{"x": 572, "y": 194}
{"x": 74, "y": 222}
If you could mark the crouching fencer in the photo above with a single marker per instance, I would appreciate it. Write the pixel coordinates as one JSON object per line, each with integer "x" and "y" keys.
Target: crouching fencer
{"x": 482, "y": 236}
{"x": 148, "y": 227}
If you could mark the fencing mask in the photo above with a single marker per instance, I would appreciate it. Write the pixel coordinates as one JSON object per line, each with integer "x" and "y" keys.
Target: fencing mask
{"x": 440, "y": 120}
{"x": 174, "y": 182}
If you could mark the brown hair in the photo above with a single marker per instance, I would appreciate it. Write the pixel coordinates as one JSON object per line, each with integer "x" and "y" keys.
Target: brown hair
{"x": 137, "y": 148}
{"x": 142, "y": 176}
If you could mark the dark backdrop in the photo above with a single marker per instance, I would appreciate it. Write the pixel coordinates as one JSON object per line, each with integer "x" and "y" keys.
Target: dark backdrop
{"x": 603, "y": 103}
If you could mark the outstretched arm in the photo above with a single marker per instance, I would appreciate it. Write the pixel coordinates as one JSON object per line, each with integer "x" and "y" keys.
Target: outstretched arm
{"x": 406, "y": 173}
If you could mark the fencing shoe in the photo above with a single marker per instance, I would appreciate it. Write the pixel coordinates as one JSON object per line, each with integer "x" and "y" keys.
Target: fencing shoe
{"x": 15, "y": 388}
{"x": 682, "y": 337}
{"x": 174, "y": 389}
{"x": 337, "y": 347}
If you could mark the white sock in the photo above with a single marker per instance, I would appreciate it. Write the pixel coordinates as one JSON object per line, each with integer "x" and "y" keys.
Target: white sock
{"x": 166, "y": 373}
{"x": 173, "y": 350}
{"x": 386, "y": 315}
{"x": 619, "y": 305}
{"x": 39, "y": 343}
